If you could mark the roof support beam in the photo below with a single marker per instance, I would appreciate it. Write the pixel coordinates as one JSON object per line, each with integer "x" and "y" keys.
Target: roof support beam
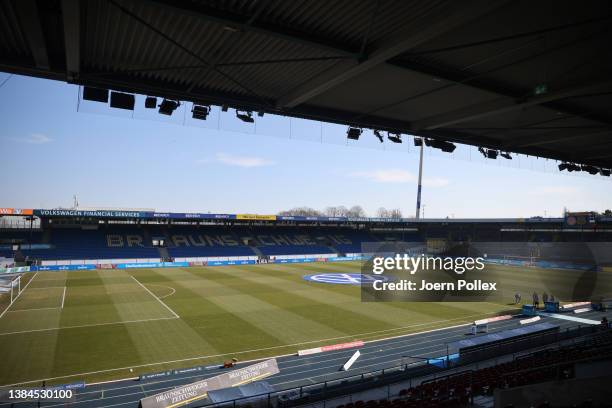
{"x": 455, "y": 15}
{"x": 32, "y": 29}
{"x": 244, "y": 24}
{"x": 71, "y": 14}
{"x": 553, "y": 137}
{"x": 505, "y": 105}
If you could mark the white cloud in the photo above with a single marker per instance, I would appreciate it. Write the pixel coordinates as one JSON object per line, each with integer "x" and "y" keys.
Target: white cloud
{"x": 398, "y": 176}
{"x": 35, "y": 138}
{"x": 242, "y": 161}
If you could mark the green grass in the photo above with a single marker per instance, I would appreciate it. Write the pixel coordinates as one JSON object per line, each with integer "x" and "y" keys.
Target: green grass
{"x": 114, "y": 320}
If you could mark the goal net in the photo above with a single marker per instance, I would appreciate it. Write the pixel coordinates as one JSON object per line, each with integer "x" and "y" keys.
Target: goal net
{"x": 10, "y": 288}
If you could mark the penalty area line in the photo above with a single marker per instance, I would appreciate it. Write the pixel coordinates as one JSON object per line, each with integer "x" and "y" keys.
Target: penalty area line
{"x": 156, "y": 298}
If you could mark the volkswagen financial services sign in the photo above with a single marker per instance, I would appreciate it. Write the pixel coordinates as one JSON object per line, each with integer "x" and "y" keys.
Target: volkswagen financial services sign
{"x": 192, "y": 392}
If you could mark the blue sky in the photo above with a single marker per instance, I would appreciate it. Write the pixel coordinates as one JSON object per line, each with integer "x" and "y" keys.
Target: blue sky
{"x": 51, "y": 151}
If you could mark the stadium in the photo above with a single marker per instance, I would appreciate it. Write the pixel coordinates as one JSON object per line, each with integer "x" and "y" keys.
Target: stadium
{"x": 119, "y": 305}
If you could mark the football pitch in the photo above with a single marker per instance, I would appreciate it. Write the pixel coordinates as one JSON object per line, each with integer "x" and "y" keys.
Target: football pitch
{"x": 107, "y": 324}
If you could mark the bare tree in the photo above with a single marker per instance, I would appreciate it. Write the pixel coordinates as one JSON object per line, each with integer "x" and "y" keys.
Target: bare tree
{"x": 382, "y": 213}
{"x": 395, "y": 213}
{"x": 356, "y": 211}
{"x": 301, "y": 211}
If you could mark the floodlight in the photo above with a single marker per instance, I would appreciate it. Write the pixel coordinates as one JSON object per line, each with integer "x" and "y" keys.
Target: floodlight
{"x": 245, "y": 116}
{"x": 121, "y": 100}
{"x": 200, "y": 112}
{"x": 605, "y": 172}
{"x": 151, "y": 102}
{"x": 167, "y": 107}
{"x": 379, "y": 135}
{"x": 506, "y": 155}
{"x": 353, "y": 133}
{"x": 589, "y": 169}
{"x": 443, "y": 145}
{"x": 394, "y": 137}
{"x": 418, "y": 141}
{"x": 95, "y": 94}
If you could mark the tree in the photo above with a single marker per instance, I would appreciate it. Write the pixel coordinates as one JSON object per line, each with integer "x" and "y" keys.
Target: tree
{"x": 356, "y": 211}
{"x": 301, "y": 212}
{"x": 395, "y": 213}
{"x": 608, "y": 213}
{"x": 382, "y": 213}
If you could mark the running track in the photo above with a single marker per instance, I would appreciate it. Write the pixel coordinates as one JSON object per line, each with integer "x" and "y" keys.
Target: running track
{"x": 297, "y": 371}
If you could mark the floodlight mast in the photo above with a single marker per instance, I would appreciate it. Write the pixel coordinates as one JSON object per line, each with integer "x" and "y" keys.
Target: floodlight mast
{"x": 418, "y": 203}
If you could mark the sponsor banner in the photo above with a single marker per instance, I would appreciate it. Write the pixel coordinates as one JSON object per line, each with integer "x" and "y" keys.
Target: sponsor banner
{"x": 530, "y": 320}
{"x": 577, "y": 304}
{"x": 16, "y": 211}
{"x": 221, "y": 263}
{"x": 151, "y": 265}
{"x": 71, "y": 386}
{"x": 332, "y": 347}
{"x": 342, "y": 346}
{"x": 18, "y": 269}
{"x": 196, "y": 391}
{"x": 153, "y": 376}
{"x": 63, "y": 267}
{"x": 256, "y": 217}
{"x": 492, "y": 319}
{"x": 90, "y": 213}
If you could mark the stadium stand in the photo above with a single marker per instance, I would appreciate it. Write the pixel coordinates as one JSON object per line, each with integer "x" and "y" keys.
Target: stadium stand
{"x": 460, "y": 389}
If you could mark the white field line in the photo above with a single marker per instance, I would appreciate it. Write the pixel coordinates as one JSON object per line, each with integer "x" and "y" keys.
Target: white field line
{"x": 173, "y": 291}
{"x": 156, "y": 298}
{"x": 31, "y": 310}
{"x": 255, "y": 350}
{"x": 17, "y": 297}
{"x": 63, "y": 297}
{"x": 86, "y": 325}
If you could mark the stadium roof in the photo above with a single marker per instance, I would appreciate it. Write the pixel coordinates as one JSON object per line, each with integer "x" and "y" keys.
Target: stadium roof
{"x": 522, "y": 76}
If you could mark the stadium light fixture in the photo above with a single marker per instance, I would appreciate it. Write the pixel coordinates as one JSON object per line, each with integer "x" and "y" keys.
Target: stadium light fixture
{"x": 353, "y": 133}
{"x": 443, "y": 145}
{"x": 95, "y": 94}
{"x": 605, "y": 172}
{"x": 122, "y": 100}
{"x": 506, "y": 155}
{"x": 224, "y": 108}
{"x": 394, "y": 137}
{"x": 379, "y": 135}
{"x": 418, "y": 142}
{"x": 564, "y": 166}
{"x": 245, "y": 116}
{"x": 589, "y": 169}
{"x": 260, "y": 114}
{"x": 151, "y": 102}
{"x": 200, "y": 112}
{"x": 167, "y": 107}
{"x": 488, "y": 153}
